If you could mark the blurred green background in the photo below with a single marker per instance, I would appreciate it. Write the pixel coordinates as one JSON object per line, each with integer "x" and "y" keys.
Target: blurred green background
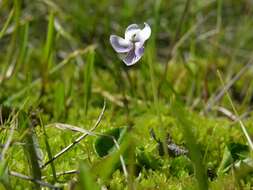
{"x": 57, "y": 66}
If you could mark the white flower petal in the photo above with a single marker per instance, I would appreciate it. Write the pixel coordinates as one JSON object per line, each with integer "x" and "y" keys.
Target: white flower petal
{"x": 120, "y": 45}
{"x": 144, "y": 34}
{"x": 131, "y": 30}
{"x": 131, "y": 58}
{"x": 131, "y": 49}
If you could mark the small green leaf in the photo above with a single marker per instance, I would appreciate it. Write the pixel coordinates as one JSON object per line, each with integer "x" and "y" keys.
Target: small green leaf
{"x": 104, "y": 144}
{"x": 238, "y": 150}
{"x": 232, "y": 153}
{"x": 225, "y": 164}
{"x": 110, "y": 163}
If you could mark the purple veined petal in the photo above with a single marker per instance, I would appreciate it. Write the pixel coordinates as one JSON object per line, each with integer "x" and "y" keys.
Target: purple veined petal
{"x": 120, "y": 45}
{"x": 139, "y": 49}
{"x": 131, "y": 31}
{"x": 131, "y": 58}
{"x": 144, "y": 34}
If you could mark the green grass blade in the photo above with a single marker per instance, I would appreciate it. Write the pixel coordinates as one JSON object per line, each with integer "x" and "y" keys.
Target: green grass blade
{"x": 245, "y": 132}
{"x": 4, "y": 177}
{"x": 88, "y": 72}
{"x": 48, "y": 50}
{"x": 48, "y": 149}
{"x": 50, "y": 37}
{"x": 185, "y": 125}
{"x": 59, "y": 100}
{"x": 6, "y": 24}
{"x": 23, "y": 46}
{"x": 86, "y": 178}
{"x": 30, "y": 147}
{"x": 219, "y": 14}
{"x": 13, "y": 43}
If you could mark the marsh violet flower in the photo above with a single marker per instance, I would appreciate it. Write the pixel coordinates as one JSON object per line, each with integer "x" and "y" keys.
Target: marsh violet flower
{"x": 131, "y": 48}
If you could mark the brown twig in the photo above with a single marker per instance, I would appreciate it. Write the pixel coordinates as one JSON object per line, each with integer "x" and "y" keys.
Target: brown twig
{"x": 63, "y": 173}
{"x": 39, "y": 182}
{"x": 227, "y": 113}
{"x": 222, "y": 92}
{"x": 230, "y": 115}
